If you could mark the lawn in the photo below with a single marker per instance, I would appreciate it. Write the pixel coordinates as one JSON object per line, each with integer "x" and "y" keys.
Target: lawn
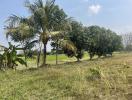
{"x": 99, "y": 79}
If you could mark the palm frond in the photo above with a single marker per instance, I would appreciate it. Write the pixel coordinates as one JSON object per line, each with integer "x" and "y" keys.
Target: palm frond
{"x": 31, "y": 44}
{"x": 13, "y": 20}
{"x": 67, "y": 44}
{"x": 39, "y": 3}
{"x": 31, "y": 7}
{"x": 50, "y": 3}
{"x": 21, "y": 61}
{"x": 56, "y": 35}
{"x": 9, "y": 31}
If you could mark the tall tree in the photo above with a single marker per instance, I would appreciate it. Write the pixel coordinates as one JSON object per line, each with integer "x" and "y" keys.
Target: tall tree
{"x": 61, "y": 27}
{"x": 19, "y": 29}
{"x": 46, "y": 18}
{"x": 76, "y": 36}
{"x": 61, "y": 42}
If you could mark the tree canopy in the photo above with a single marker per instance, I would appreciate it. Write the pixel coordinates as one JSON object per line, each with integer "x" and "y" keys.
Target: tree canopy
{"x": 101, "y": 41}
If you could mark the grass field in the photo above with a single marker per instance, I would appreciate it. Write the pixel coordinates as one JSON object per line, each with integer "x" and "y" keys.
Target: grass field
{"x": 51, "y": 59}
{"x": 99, "y": 79}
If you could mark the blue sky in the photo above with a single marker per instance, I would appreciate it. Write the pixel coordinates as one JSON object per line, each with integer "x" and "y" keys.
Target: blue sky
{"x": 113, "y": 14}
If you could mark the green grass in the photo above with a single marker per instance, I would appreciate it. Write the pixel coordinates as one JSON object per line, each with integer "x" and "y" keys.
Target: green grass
{"x": 53, "y": 57}
{"x": 32, "y": 63}
{"x": 99, "y": 79}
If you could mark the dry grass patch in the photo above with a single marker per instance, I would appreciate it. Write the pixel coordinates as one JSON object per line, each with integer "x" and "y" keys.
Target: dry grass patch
{"x": 100, "y": 79}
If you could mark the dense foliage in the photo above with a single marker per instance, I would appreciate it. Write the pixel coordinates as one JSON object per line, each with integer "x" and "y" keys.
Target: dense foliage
{"x": 101, "y": 41}
{"x": 76, "y": 36}
{"x": 94, "y": 39}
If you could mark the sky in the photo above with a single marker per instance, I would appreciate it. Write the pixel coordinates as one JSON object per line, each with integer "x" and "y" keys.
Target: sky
{"x": 113, "y": 14}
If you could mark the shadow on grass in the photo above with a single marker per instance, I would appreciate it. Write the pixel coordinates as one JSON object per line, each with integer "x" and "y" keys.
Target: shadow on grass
{"x": 63, "y": 64}
{"x": 66, "y": 63}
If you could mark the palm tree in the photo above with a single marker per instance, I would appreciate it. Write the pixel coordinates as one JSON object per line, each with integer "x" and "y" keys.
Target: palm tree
{"x": 61, "y": 41}
{"x": 19, "y": 29}
{"x": 47, "y": 18}
{"x": 60, "y": 36}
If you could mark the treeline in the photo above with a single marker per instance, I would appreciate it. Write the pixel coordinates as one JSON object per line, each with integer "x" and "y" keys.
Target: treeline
{"x": 94, "y": 39}
{"x": 127, "y": 42}
{"x": 48, "y": 22}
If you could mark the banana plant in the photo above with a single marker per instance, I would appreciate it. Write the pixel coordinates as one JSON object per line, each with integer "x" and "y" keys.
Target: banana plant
{"x": 10, "y": 58}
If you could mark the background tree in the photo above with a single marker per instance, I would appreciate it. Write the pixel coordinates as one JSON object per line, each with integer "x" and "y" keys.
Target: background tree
{"x": 19, "y": 30}
{"x": 61, "y": 42}
{"x": 61, "y": 27}
{"x": 76, "y": 37}
{"x": 90, "y": 38}
{"x": 127, "y": 39}
{"x": 101, "y": 41}
{"x": 128, "y": 48}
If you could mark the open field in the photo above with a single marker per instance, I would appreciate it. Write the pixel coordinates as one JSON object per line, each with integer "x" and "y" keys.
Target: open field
{"x": 99, "y": 79}
{"x": 51, "y": 59}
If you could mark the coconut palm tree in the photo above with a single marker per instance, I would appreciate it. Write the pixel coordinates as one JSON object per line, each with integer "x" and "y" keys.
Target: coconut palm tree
{"x": 61, "y": 41}
{"x": 60, "y": 38}
{"x": 47, "y": 18}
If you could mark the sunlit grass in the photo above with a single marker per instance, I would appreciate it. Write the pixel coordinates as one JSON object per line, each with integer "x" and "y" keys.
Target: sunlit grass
{"x": 99, "y": 79}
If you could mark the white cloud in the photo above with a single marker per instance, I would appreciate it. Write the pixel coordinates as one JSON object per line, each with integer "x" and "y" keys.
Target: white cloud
{"x": 95, "y": 9}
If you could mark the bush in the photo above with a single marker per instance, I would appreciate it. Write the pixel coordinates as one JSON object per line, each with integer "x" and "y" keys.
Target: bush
{"x": 94, "y": 74}
{"x": 128, "y": 48}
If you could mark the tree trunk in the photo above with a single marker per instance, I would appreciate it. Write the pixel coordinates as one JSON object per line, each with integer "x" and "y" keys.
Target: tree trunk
{"x": 111, "y": 54}
{"x": 38, "y": 54}
{"x": 78, "y": 60}
{"x": 24, "y": 50}
{"x": 25, "y": 55}
{"x": 44, "y": 54}
{"x": 99, "y": 56}
{"x": 90, "y": 55}
{"x": 38, "y": 58}
{"x": 57, "y": 53}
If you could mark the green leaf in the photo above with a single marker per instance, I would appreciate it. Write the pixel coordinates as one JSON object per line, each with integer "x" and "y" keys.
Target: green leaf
{"x": 21, "y": 61}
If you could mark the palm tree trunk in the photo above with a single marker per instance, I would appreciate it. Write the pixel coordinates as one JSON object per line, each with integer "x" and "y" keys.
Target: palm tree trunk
{"x": 38, "y": 58}
{"x": 57, "y": 53}
{"x": 44, "y": 54}
{"x": 25, "y": 55}
{"x": 24, "y": 50}
{"x": 91, "y": 56}
{"x": 38, "y": 55}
